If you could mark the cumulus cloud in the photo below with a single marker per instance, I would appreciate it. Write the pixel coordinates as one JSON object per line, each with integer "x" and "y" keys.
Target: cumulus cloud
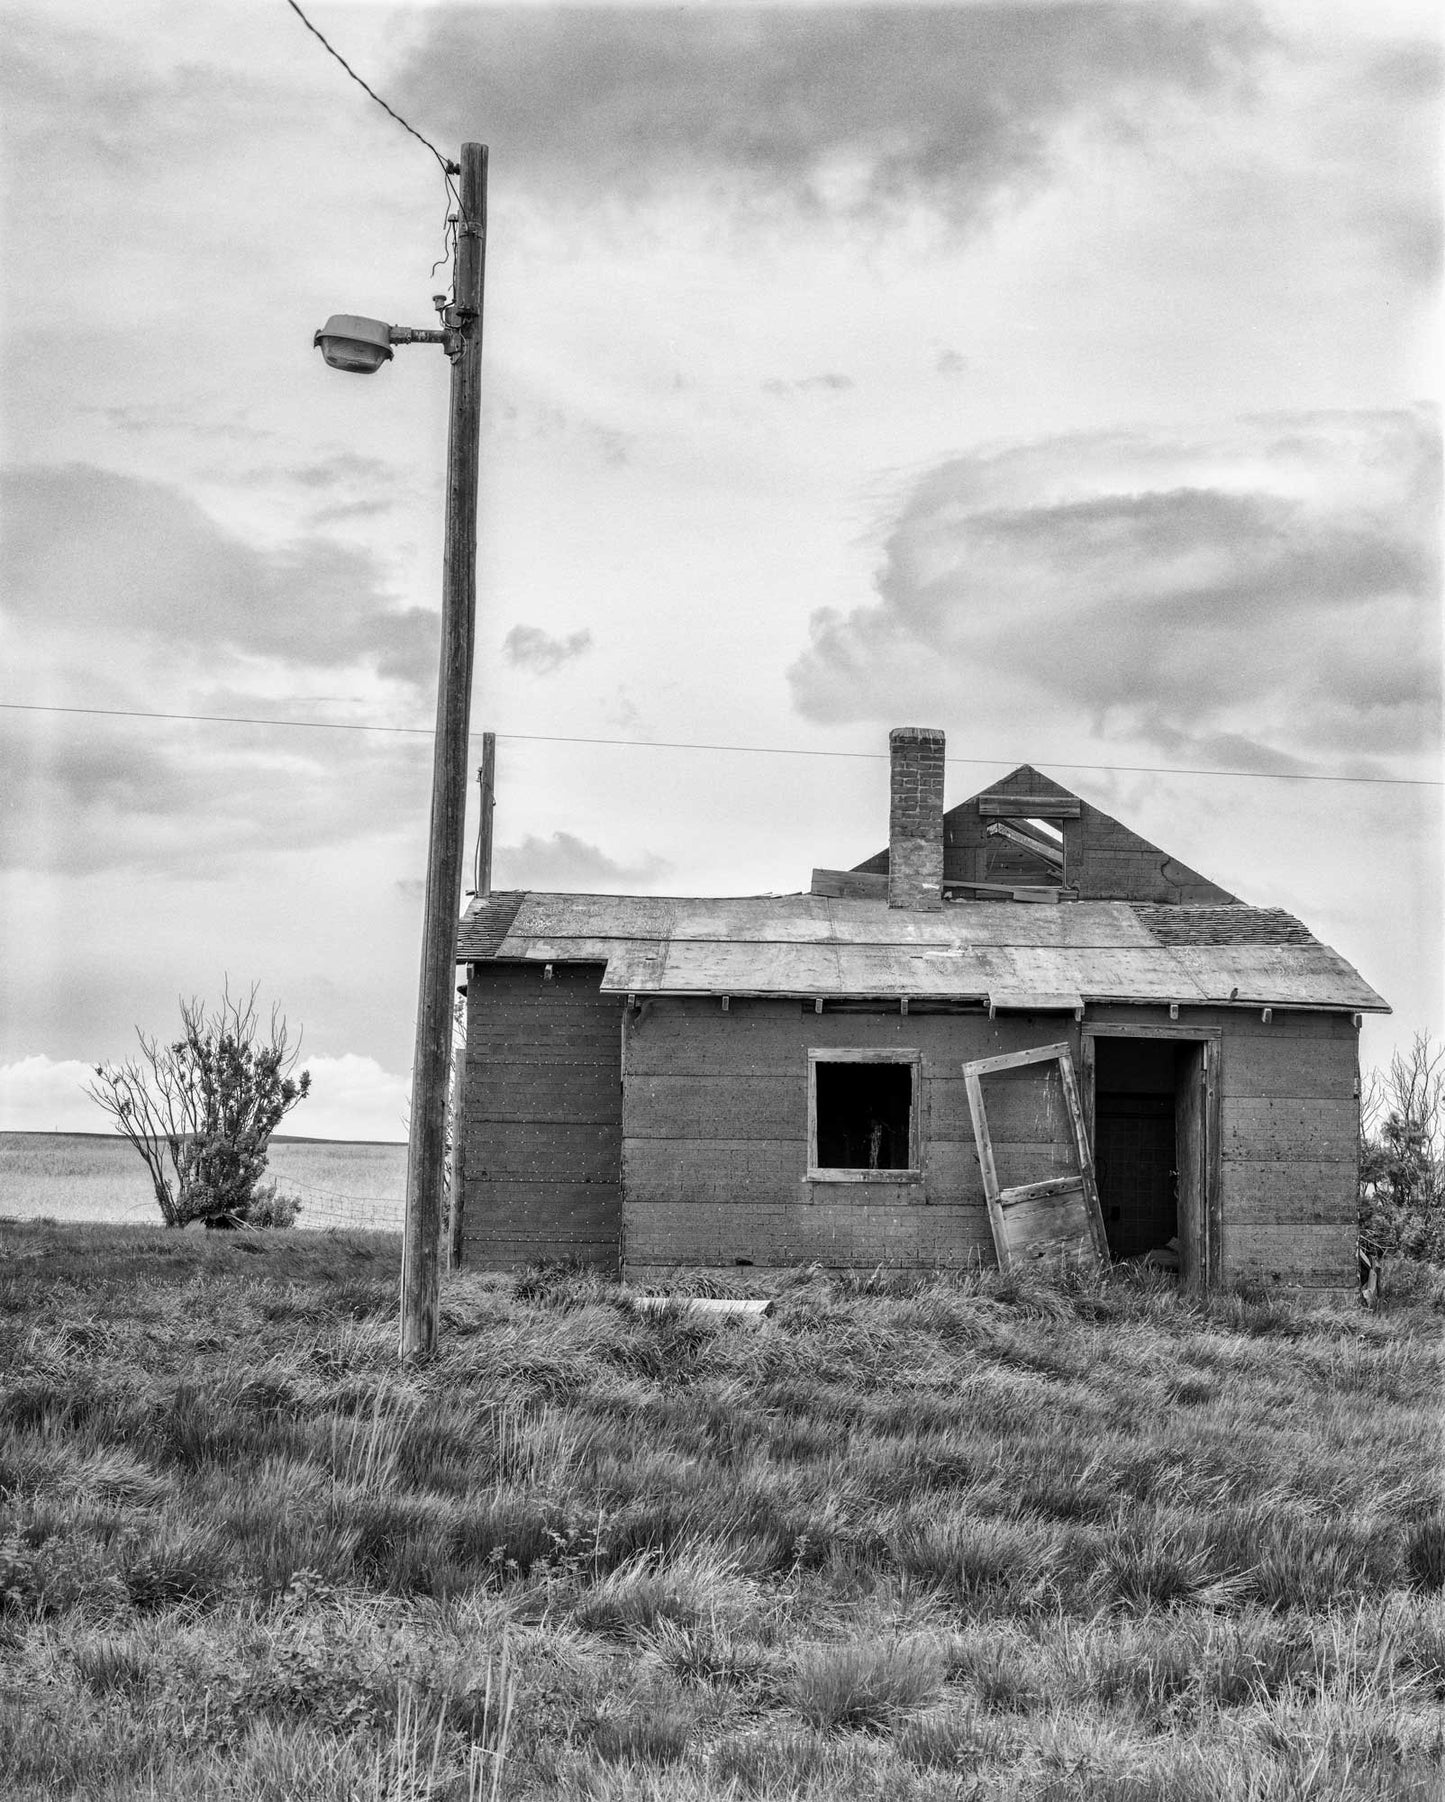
{"x": 529, "y": 647}
{"x": 351, "y": 1098}
{"x": 845, "y": 109}
{"x": 564, "y": 862}
{"x": 119, "y": 593}
{"x": 43, "y": 1094}
{"x": 1269, "y": 595}
{"x": 91, "y": 551}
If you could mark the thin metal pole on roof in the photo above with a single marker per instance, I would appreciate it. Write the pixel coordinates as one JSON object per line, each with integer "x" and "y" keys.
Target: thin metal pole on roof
{"x": 487, "y": 777}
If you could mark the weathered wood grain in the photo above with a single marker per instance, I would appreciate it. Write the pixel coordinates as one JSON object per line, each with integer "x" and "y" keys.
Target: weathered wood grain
{"x": 1285, "y": 1130}
{"x": 1304, "y": 1192}
{"x": 1322, "y": 1254}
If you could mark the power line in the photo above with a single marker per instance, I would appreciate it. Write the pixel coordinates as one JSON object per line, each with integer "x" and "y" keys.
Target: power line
{"x": 214, "y": 719}
{"x": 667, "y": 744}
{"x": 448, "y": 167}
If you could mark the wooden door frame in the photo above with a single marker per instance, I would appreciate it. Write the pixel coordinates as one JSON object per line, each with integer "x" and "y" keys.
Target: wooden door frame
{"x": 998, "y": 1198}
{"x": 1209, "y": 1259}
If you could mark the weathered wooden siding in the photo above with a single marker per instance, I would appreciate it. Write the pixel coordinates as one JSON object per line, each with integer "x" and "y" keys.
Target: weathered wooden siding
{"x": 1289, "y": 1126}
{"x": 542, "y": 1117}
{"x": 714, "y": 1144}
{"x": 1291, "y": 1150}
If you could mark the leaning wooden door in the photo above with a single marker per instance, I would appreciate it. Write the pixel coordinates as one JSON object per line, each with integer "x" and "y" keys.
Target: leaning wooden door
{"x": 1038, "y": 1171}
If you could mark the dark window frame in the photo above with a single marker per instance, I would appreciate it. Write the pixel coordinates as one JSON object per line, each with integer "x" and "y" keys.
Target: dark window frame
{"x": 909, "y": 1056}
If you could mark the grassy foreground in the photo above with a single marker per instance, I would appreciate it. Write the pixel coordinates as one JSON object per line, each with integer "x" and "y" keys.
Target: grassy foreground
{"x": 961, "y": 1538}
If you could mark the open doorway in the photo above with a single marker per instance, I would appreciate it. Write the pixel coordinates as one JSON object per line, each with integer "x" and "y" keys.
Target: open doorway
{"x": 1149, "y": 1132}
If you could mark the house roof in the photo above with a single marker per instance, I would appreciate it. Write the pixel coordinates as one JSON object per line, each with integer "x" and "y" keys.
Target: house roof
{"x": 1009, "y": 954}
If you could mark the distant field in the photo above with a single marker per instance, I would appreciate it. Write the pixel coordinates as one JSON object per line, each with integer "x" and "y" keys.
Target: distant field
{"x": 93, "y": 1176}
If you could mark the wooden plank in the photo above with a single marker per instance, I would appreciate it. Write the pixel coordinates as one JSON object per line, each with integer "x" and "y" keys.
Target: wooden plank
{"x": 1284, "y": 1130}
{"x": 986, "y": 1165}
{"x": 1037, "y": 807}
{"x": 1212, "y": 1250}
{"x": 1058, "y": 1186}
{"x": 1043, "y": 848}
{"x": 1087, "y": 1062}
{"x": 1299, "y": 1069}
{"x": 748, "y": 1310}
{"x": 1152, "y": 1029}
{"x": 1086, "y": 1159}
{"x": 853, "y": 885}
{"x": 564, "y": 1151}
{"x": 1308, "y": 1254}
{"x": 722, "y": 1107}
{"x": 1189, "y": 1103}
{"x": 1306, "y": 1192}
{"x": 1013, "y": 1060}
{"x": 1031, "y": 1002}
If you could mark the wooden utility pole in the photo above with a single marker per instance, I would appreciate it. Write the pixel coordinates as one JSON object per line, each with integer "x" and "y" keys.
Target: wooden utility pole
{"x": 487, "y": 777}
{"x": 482, "y": 878}
{"x": 431, "y": 1068}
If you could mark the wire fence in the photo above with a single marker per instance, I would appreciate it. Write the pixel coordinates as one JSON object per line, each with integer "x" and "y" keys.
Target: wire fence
{"x": 323, "y": 1208}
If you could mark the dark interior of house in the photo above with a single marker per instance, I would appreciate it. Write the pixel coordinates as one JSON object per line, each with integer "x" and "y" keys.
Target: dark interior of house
{"x": 864, "y": 1114}
{"x": 1136, "y": 1084}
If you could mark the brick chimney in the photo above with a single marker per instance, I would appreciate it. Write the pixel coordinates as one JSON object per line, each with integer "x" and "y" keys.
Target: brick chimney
{"x": 915, "y": 817}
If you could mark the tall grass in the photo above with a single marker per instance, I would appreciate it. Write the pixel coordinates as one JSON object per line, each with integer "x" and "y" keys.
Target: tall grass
{"x": 924, "y": 1539}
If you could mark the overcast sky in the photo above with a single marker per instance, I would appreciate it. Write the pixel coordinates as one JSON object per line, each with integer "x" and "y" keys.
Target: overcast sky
{"x": 1060, "y": 374}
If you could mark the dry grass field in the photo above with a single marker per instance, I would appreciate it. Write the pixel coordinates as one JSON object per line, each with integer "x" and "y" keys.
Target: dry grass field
{"x": 967, "y": 1538}
{"x": 97, "y": 1176}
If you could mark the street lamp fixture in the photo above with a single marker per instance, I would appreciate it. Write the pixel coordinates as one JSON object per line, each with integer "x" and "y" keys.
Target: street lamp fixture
{"x": 360, "y": 346}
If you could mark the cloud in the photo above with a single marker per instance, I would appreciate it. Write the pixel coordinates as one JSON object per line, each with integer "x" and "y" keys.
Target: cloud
{"x": 564, "y": 862}
{"x": 529, "y": 647}
{"x": 202, "y": 800}
{"x": 848, "y": 110}
{"x": 90, "y": 551}
{"x": 831, "y": 383}
{"x": 1269, "y": 594}
{"x": 42, "y": 1094}
{"x": 351, "y": 1098}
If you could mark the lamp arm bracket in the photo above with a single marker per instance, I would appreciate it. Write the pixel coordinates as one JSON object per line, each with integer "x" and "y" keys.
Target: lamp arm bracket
{"x": 406, "y": 334}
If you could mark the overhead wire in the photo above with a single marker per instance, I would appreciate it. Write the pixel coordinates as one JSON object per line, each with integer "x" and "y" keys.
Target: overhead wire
{"x": 448, "y": 168}
{"x": 667, "y": 744}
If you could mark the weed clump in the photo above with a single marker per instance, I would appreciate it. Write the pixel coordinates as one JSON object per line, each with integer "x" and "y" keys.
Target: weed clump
{"x": 864, "y": 1686}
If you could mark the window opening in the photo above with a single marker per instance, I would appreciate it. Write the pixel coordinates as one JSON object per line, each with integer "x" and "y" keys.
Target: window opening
{"x": 864, "y": 1115}
{"x": 1027, "y": 851}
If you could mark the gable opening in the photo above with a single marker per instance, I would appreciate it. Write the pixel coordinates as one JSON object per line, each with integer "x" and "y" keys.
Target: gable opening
{"x": 863, "y": 1114}
{"x": 1026, "y": 850}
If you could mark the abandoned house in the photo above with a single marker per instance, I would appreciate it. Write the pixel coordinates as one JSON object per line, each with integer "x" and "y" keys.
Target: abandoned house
{"x": 1019, "y": 1031}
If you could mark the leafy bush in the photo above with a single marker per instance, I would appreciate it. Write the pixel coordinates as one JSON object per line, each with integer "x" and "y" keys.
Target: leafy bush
{"x": 1402, "y": 1156}
{"x": 272, "y": 1206}
{"x": 201, "y": 1110}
